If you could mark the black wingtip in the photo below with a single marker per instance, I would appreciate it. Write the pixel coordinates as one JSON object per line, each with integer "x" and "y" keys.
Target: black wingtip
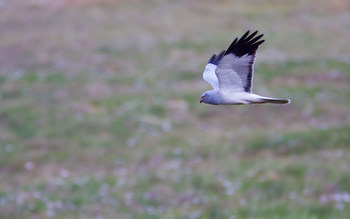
{"x": 247, "y": 44}
{"x": 221, "y": 54}
{"x": 215, "y": 59}
{"x": 212, "y": 58}
{"x": 245, "y": 35}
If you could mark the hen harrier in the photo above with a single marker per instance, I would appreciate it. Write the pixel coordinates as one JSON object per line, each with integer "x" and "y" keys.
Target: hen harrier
{"x": 230, "y": 73}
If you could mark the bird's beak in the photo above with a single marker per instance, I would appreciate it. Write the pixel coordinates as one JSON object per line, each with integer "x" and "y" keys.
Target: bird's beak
{"x": 200, "y": 101}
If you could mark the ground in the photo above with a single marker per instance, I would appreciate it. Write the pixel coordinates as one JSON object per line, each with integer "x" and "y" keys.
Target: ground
{"x": 100, "y": 114}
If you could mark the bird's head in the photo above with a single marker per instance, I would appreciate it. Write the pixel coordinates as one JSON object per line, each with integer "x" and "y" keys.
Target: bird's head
{"x": 204, "y": 98}
{"x": 210, "y": 97}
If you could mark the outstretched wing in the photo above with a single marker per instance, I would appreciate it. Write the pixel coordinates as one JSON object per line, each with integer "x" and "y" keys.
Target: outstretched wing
{"x": 209, "y": 71}
{"x": 235, "y": 69}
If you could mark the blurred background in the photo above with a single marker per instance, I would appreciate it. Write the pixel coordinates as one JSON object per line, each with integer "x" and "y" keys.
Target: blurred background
{"x": 100, "y": 114}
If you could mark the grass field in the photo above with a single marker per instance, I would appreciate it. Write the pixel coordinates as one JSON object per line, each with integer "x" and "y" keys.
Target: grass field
{"x": 100, "y": 114}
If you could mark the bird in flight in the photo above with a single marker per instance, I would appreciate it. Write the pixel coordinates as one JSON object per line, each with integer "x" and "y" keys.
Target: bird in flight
{"x": 230, "y": 73}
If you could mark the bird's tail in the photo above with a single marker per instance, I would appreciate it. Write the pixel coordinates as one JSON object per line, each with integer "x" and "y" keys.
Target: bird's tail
{"x": 274, "y": 100}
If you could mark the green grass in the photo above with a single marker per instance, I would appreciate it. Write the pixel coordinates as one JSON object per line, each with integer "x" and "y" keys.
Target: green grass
{"x": 301, "y": 142}
{"x": 100, "y": 113}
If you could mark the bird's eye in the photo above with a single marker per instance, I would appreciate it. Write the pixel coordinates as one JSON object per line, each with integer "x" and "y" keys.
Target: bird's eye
{"x": 203, "y": 97}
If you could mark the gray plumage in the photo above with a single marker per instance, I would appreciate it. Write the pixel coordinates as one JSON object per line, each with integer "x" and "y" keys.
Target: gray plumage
{"x": 231, "y": 74}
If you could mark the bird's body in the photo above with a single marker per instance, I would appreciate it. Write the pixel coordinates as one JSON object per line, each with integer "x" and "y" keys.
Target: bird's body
{"x": 215, "y": 97}
{"x": 230, "y": 73}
